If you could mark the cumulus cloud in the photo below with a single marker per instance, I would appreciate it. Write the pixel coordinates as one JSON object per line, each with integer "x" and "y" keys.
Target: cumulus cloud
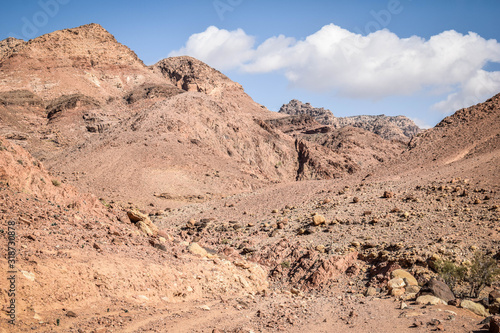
{"x": 221, "y": 49}
{"x": 374, "y": 66}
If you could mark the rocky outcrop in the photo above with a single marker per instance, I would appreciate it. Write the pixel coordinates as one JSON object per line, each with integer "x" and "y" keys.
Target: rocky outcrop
{"x": 10, "y": 45}
{"x": 297, "y": 108}
{"x": 398, "y": 128}
{"x": 191, "y": 74}
{"x": 303, "y": 269}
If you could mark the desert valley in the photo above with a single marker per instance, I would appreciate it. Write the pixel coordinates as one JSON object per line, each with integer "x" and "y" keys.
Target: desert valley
{"x": 162, "y": 198}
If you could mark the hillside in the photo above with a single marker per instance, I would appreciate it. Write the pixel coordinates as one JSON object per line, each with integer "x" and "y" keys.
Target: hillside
{"x": 466, "y": 143}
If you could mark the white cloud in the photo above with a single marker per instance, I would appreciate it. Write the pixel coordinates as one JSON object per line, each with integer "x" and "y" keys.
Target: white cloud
{"x": 420, "y": 123}
{"x": 219, "y": 48}
{"x": 475, "y": 90}
{"x": 352, "y": 65}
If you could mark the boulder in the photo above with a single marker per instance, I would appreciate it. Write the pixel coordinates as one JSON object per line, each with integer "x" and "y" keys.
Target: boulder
{"x": 494, "y": 301}
{"x": 395, "y": 284}
{"x": 475, "y": 307}
{"x": 429, "y": 300}
{"x": 495, "y": 324}
{"x": 398, "y": 292}
{"x": 136, "y": 216}
{"x": 438, "y": 289}
{"x": 143, "y": 222}
{"x": 195, "y": 248}
{"x": 405, "y": 275}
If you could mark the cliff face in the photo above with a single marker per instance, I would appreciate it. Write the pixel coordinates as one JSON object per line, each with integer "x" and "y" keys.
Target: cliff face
{"x": 398, "y": 128}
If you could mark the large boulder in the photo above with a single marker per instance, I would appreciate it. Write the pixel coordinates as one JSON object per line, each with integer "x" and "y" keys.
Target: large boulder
{"x": 405, "y": 275}
{"x": 474, "y": 307}
{"x": 429, "y": 300}
{"x": 438, "y": 289}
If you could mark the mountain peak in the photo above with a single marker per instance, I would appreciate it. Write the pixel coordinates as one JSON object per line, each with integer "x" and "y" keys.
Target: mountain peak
{"x": 86, "y": 59}
{"x": 191, "y": 74}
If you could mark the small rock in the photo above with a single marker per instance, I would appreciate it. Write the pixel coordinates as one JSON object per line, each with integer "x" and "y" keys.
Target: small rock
{"x": 474, "y": 307}
{"x": 320, "y": 248}
{"x": 412, "y": 289}
{"x": 71, "y": 314}
{"x": 136, "y": 216}
{"x": 388, "y": 194}
{"x": 318, "y": 219}
{"x": 409, "y": 296}
{"x": 143, "y": 222}
{"x": 195, "y": 248}
{"x": 101, "y": 330}
{"x": 397, "y": 292}
{"x": 371, "y": 291}
{"x": 396, "y": 283}
{"x": 355, "y": 200}
{"x": 205, "y": 307}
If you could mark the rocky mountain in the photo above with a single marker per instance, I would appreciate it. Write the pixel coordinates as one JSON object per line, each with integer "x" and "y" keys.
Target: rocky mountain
{"x": 86, "y": 105}
{"x": 398, "y": 128}
{"x": 86, "y": 60}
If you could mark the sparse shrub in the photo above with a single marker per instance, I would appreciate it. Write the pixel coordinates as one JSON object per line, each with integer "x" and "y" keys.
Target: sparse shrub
{"x": 451, "y": 273}
{"x": 20, "y": 162}
{"x": 55, "y": 182}
{"x": 106, "y": 204}
{"x": 482, "y": 271}
{"x": 285, "y": 264}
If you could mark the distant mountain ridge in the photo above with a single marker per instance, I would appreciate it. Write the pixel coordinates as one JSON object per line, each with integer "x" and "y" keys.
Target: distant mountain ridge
{"x": 399, "y": 128}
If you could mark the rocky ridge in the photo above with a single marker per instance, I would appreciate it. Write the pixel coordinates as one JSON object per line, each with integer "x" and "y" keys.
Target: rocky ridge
{"x": 398, "y": 128}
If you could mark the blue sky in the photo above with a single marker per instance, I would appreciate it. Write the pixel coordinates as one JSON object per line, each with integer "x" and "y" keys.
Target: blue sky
{"x": 333, "y": 54}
